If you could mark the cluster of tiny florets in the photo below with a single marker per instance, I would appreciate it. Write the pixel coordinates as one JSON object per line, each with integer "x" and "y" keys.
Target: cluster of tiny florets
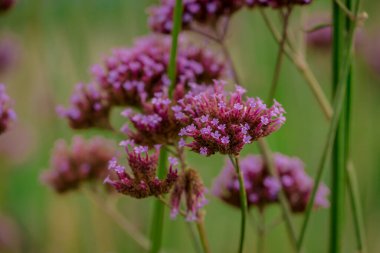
{"x": 156, "y": 124}
{"x": 206, "y": 12}
{"x": 221, "y": 122}
{"x": 263, "y": 189}
{"x": 190, "y": 187}
{"x": 144, "y": 182}
{"x": 83, "y": 161}
{"x": 89, "y": 108}
{"x": 7, "y": 114}
{"x": 130, "y": 76}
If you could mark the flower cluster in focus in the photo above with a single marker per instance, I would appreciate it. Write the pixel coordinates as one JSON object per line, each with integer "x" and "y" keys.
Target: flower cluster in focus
{"x": 7, "y": 114}
{"x": 263, "y": 189}
{"x": 221, "y": 122}
{"x": 206, "y": 12}
{"x": 132, "y": 77}
{"x": 190, "y": 187}
{"x": 83, "y": 161}
{"x": 144, "y": 182}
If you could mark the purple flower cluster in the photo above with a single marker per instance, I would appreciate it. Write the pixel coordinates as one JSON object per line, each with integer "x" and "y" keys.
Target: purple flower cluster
{"x": 222, "y": 122}
{"x": 190, "y": 186}
{"x": 263, "y": 189}
{"x": 84, "y": 161}
{"x": 7, "y": 114}
{"x": 89, "y": 108}
{"x": 130, "y": 76}
{"x": 155, "y": 125}
{"x": 144, "y": 182}
{"x": 206, "y": 12}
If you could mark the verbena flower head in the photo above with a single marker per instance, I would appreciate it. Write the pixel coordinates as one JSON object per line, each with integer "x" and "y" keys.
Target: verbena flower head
{"x": 156, "y": 124}
{"x": 206, "y": 12}
{"x": 83, "y": 161}
{"x": 130, "y": 76}
{"x": 7, "y": 114}
{"x": 190, "y": 187}
{"x": 263, "y": 189}
{"x": 89, "y": 108}
{"x": 223, "y": 122}
{"x": 143, "y": 182}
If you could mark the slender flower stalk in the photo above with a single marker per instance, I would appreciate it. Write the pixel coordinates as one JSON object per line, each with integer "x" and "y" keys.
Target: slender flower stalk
{"x": 337, "y": 106}
{"x": 338, "y": 156}
{"x": 283, "y": 203}
{"x": 158, "y": 216}
{"x": 159, "y": 209}
{"x": 243, "y": 201}
{"x": 119, "y": 219}
{"x": 303, "y": 67}
{"x": 350, "y": 176}
{"x": 286, "y": 15}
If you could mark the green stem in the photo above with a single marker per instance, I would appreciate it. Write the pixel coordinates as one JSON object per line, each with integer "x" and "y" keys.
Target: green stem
{"x": 338, "y": 156}
{"x": 159, "y": 208}
{"x": 119, "y": 219}
{"x": 177, "y": 23}
{"x": 354, "y": 196}
{"x": 261, "y": 233}
{"x": 280, "y": 55}
{"x": 337, "y": 106}
{"x": 243, "y": 201}
{"x": 351, "y": 181}
{"x": 203, "y": 236}
{"x": 302, "y": 66}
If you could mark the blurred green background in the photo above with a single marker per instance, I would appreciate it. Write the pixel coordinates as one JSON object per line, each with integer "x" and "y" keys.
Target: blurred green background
{"x": 57, "y": 42}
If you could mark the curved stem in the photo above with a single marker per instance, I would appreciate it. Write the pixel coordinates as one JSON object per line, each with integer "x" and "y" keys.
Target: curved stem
{"x": 303, "y": 67}
{"x": 243, "y": 201}
{"x": 277, "y": 71}
{"x": 203, "y": 236}
{"x": 230, "y": 62}
{"x": 261, "y": 233}
{"x": 119, "y": 219}
{"x": 338, "y": 104}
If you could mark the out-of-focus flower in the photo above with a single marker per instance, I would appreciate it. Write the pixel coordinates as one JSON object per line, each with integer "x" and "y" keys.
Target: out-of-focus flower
{"x": 263, "y": 189}
{"x": 7, "y": 114}
{"x": 190, "y": 187}
{"x": 371, "y": 52}
{"x": 8, "y": 53}
{"x": 5, "y": 5}
{"x": 144, "y": 182}
{"x": 130, "y": 76}
{"x": 155, "y": 125}
{"x": 85, "y": 160}
{"x": 319, "y": 33}
{"x": 206, "y": 12}
{"x": 222, "y": 122}
{"x": 89, "y": 108}
{"x": 18, "y": 154}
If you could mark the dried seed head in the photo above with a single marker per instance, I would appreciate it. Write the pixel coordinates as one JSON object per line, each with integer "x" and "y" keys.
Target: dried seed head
{"x": 190, "y": 187}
